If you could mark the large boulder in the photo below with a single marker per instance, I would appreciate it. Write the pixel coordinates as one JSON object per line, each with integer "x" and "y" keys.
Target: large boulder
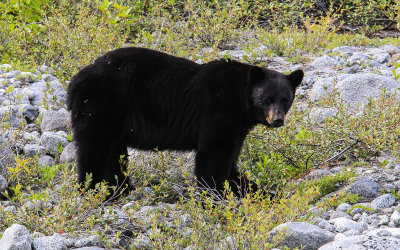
{"x": 302, "y": 235}
{"x": 358, "y": 88}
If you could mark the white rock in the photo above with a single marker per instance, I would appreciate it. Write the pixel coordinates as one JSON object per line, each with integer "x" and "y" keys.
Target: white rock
{"x": 395, "y": 218}
{"x": 321, "y": 88}
{"x": 343, "y": 224}
{"x": 16, "y": 237}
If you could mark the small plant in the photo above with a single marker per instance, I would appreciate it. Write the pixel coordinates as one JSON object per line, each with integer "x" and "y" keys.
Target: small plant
{"x": 20, "y": 165}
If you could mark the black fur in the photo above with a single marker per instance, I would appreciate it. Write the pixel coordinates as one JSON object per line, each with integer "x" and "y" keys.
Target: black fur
{"x": 147, "y": 99}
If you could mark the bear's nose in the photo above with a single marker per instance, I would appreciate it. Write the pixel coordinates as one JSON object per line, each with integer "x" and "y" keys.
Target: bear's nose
{"x": 278, "y": 122}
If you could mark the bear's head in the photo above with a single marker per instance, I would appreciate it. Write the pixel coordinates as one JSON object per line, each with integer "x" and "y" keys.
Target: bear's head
{"x": 272, "y": 94}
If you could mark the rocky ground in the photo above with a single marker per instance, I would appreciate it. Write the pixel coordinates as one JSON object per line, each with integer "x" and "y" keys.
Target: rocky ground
{"x": 32, "y": 104}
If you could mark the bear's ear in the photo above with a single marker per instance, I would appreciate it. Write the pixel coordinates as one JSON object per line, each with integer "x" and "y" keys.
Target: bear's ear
{"x": 256, "y": 74}
{"x": 296, "y": 77}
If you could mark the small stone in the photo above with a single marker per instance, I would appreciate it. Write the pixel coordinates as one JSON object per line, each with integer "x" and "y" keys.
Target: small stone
{"x": 343, "y": 224}
{"x": 5, "y": 67}
{"x": 366, "y": 188}
{"x": 351, "y": 233}
{"x": 46, "y": 160}
{"x": 3, "y": 184}
{"x": 91, "y": 241}
{"x": 55, "y": 242}
{"x": 363, "y": 242}
{"x": 339, "y": 214}
{"x": 10, "y": 209}
{"x": 46, "y": 69}
{"x": 16, "y": 237}
{"x": 356, "y": 210}
{"x": 31, "y": 150}
{"x": 68, "y": 155}
{"x": 344, "y": 207}
{"x": 56, "y": 121}
{"x": 52, "y": 141}
{"x": 325, "y": 62}
{"x": 357, "y": 216}
{"x": 383, "y": 220}
{"x": 390, "y": 48}
{"x": 30, "y": 113}
{"x": 142, "y": 241}
{"x": 321, "y": 88}
{"x": 26, "y": 77}
{"x": 228, "y": 243}
{"x": 395, "y": 218}
{"x": 383, "y": 201}
{"x": 326, "y": 225}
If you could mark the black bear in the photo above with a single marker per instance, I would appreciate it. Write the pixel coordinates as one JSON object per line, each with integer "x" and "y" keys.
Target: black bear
{"x": 149, "y": 100}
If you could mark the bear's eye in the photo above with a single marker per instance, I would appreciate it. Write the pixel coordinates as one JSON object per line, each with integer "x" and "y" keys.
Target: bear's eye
{"x": 267, "y": 101}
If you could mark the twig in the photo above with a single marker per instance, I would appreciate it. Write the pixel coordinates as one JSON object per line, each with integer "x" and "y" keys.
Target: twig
{"x": 342, "y": 152}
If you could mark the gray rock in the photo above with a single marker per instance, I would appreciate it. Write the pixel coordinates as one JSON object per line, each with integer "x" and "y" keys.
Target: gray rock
{"x": 7, "y": 156}
{"x": 56, "y": 121}
{"x": 142, "y": 242}
{"x": 351, "y": 70}
{"x": 30, "y": 113}
{"x": 351, "y": 232}
{"x": 51, "y": 141}
{"x": 356, "y": 216}
{"x": 324, "y": 224}
{"x": 12, "y": 115}
{"x": 91, "y": 241}
{"x": 46, "y": 69}
{"x": 5, "y": 67}
{"x": 395, "y": 218}
{"x": 46, "y": 160}
{"x": 383, "y": 220}
{"x": 319, "y": 115}
{"x": 12, "y": 74}
{"x": 390, "y": 48}
{"x": 343, "y": 224}
{"x": 321, "y": 88}
{"x": 383, "y": 201}
{"x": 48, "y": 78}
{"x": 358, "y": 57}
{"x": 358, "y": 88}
{"x": 228, "y": 243}
{"x": 34, "y": 205}
{"x": 345, "y": 50}
{"x": 339, "y": 214}
{"x": 26, "y": 77}
{"x": 344, "y": 207}
{"x": 303, "y": 235}
{"x": 10, "y": 209}
{"x": 395, "y": 232}
{"x": 39, "y": 96}
{"x": 3, "y": 184}
{"x": 116, "y": 217}
{"x": 68, "y": 155}
{"x": 325, "y": 62}
{"x": 363, "y": 242}
{"x": 381, "y": 57}
{"x": 55, "y": 242}
{"x": 33, "y": 136}
{"x": 366, "y": 188}
{"x": 31, "y": 150}
{"x": 16, "y": 237}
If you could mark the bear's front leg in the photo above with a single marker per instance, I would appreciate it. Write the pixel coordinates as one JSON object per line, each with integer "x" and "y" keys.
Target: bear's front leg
{"x": 217, "y": 152}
